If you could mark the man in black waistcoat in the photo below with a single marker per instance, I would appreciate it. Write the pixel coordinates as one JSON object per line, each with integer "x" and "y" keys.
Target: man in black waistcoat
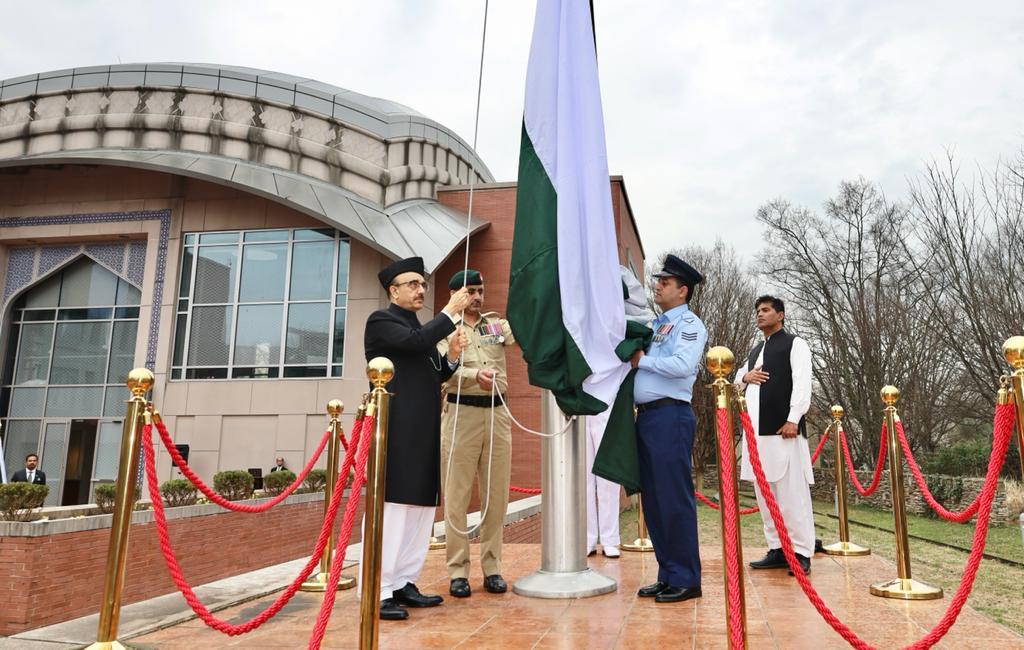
{"x": 414, "y": 427}
{"x": 777, "y": 381}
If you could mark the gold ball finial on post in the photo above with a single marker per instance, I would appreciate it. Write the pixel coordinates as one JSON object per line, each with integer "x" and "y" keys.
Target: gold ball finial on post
{"x": 1013, "y": 351}
{"x": 379, "y": 371}
{"x": 719, "y": 361}
{"x": 335, "y": 407}
{"x": 139, "y": 381}
{"x": 837, "y": 412}
{"x": 890, "y": 395}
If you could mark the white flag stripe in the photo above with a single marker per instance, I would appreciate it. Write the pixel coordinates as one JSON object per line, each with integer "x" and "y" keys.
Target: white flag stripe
{"x": 564, "y": 122}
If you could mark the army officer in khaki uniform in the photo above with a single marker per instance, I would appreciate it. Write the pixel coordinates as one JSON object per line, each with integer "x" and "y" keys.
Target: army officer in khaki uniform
{"x": 475, "y": 455}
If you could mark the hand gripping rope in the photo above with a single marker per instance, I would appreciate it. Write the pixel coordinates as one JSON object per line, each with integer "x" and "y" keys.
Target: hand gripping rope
{"x": 231, "y": 505}
{"x": 749, "y": 511}
{"x": 1003, "y": 423}
{"x": 175, "y": 570}
{"x": 877, "y": 478}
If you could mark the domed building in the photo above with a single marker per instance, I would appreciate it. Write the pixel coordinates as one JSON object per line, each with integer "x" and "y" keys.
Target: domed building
{"x": 222, "y": 226}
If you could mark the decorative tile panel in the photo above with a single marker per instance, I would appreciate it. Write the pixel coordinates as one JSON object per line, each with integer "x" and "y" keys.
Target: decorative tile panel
{"x": 20, "y": 263}
{"x": 50, "y": 257}
{"x": 109, "y": 255}
{"x": 136, "y": 262}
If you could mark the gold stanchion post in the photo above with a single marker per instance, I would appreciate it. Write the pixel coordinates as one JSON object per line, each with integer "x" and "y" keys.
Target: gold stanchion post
{"x": 318, "y": 582}
{"x": 719, "y": 362}
{"x": 380, "y": 371}
{"x": 903, "y": 587}
{"x": 642, "y": 543}
{"x": 139, "y": 381}
{"x": 844, "y": 546}
{"x": 1013, "y": 350}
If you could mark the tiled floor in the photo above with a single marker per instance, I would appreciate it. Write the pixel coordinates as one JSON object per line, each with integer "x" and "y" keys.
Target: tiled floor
{"x": 779, "y": 615}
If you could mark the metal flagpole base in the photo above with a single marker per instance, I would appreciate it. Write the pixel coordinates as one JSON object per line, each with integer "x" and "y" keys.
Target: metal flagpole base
{"x": 579, "y": 584}
{"x": 848, "y": 549}
{"x": 318, "y": 583}
{"x": 906, "y": 589}
{"x": 641, "y": 544}
{"x": 436, "y": 544}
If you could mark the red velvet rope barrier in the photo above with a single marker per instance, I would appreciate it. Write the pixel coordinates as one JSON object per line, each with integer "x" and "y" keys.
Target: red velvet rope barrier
{"x": 922, "y": 486}
{"x": 522, "y": 490}
{"x": 877, "y": 478}
{"x": 1002, "y": 426}
{"x": 175, "y": 570}
{"x": 730, "y": 522}
{"x": 343, "y": 536}
{"x": 231, "y": 505}
{"x": 821, "y": 445}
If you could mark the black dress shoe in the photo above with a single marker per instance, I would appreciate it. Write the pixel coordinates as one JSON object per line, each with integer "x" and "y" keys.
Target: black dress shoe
{"x": 773, "y": 559}
{"x": 805, "y": 563}
{"x": 495, "y": 584}
{"x": 392, "y": 611}
{"x": 460, "y": 588}
{"x": 677, "y": 594}
{"x": 410, "y": 596}
{"x": 652, "y": 590}
{"x": 819, "y": 547}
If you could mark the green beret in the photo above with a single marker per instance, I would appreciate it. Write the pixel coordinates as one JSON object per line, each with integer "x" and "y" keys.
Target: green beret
{"x": 471, "y": 278}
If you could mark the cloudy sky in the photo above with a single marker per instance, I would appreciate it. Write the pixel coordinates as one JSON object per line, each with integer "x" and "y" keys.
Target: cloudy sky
{"x": 711, "y": 109}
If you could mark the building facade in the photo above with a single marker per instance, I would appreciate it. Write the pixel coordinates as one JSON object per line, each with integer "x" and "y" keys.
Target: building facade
{"x": 223, "y": 227}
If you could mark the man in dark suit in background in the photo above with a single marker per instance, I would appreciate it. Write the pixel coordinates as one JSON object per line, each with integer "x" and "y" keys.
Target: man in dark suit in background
{"x": 30, "y": 474}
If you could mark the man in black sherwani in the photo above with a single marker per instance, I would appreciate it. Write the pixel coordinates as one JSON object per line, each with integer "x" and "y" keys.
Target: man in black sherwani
{"x": 414, "y": 427}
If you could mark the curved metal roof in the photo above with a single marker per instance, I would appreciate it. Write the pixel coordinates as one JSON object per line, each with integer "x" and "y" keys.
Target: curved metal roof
{"x": 381, "y": 117}
{"x": 420, "y": 227}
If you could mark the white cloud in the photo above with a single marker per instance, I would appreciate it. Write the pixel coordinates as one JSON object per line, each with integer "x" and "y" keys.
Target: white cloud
{"x": 711, "y": 109}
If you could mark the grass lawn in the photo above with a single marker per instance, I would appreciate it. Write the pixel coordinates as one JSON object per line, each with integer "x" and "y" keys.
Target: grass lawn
{"x": 998, "y": 589}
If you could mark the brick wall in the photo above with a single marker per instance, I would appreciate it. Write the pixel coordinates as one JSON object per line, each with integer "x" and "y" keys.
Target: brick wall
{"x": 53, "y": 578}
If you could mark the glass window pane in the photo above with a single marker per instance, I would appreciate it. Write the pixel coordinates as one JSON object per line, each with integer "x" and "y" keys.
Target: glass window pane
{"x": 308, "y": 326}
{"x": 343, "y": 255}
{"x": 258, "y": 335}
{"x": 206, "y": 373}
{"x": 311, "y": 271}
{"x": 126, "y": 312}
{"x": 340, "y": 299}
{"x": 20, "y": 440}
{"x": 122, "y": 351}
{"x": 80, "y": 353}
{"x": 263, "y": 268}
{"x": 127, "y": 294}
{"x": 44, "y": 295}
{"x": 338, "y": 355}
{"x": 86, "y": 283}
{"x": 336, "y": 371}
{"x": 215, "y": 274}
{"x": 108, "y": 451}
{"x": 179, "y": 338}
{"x": 210, "y": 337}
{"x": 218, "y": 238}
{"x": 305, "y": 371}
{"x": 254, "y": 373}
{"x": 74, "y": 402}
{"x": 186, "y": 272}
{"x": 27, "y": 402}
{"x": 266, "y": 235}
{"x": 114, "y": 402}
{"x": 34, "y": 354}
{"x": 39, "y": 314}
{"x": 85, "y": 313}
{"x": 313, "y": 233}
{"x": 54, "y": 459}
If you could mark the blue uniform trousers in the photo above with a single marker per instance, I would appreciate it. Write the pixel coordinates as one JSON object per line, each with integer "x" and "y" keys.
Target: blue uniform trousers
{"x": 665, "y": 437}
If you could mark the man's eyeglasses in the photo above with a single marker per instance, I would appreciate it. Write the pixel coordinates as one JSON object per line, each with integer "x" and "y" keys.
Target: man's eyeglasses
{"x": 415, "y": 285}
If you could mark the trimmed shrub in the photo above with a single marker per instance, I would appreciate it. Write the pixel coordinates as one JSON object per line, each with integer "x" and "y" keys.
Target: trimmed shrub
{"x": 275, "y": 482}
{"x": 233, "y": 484}
{"x": 105, "y": 494}
{"x": 18, "y": 500}
{"x": 963, "y": 458}
{"x": 946, "y": 490}
{"x": 179, "y": 492}
{"x": 315, "y": 481}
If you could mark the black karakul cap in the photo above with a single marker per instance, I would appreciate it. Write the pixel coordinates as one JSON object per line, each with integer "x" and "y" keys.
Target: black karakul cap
{"x": 677, "y": 268}
{"x": 408, "y": 265}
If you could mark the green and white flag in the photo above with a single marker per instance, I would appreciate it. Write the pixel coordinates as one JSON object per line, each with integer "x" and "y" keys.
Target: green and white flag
{"x": 565, "y": 295}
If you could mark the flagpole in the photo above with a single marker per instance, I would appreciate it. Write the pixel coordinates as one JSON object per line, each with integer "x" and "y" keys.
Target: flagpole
{"x": 563, "y": 569}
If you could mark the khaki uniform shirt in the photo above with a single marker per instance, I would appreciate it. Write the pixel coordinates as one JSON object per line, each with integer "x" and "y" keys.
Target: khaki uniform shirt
{"x": 485, "y": 349}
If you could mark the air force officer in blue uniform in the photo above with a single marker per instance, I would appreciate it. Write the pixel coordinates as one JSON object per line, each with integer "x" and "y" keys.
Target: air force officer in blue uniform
{"x": 665, "y": 426}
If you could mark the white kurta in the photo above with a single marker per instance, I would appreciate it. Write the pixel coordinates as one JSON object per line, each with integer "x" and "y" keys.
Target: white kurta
{"x": 786, "y": 461}
{"x": 602, "y": 494}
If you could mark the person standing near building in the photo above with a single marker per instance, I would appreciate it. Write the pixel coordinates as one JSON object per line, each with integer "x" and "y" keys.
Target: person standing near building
{"x": 777, "y": 384}
{"x": 30, "y": 474}
{"x": 470, "y": 448}
{"x": 665, "y": 425}
{"x": 414, "y": 435}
